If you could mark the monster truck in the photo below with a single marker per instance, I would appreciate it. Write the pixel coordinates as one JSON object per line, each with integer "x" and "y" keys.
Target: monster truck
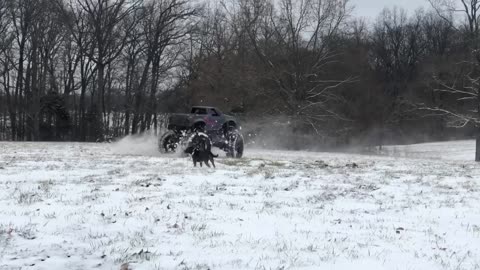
{"x": 222, "y": 130}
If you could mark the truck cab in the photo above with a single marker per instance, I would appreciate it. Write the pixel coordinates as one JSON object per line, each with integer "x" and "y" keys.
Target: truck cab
{"x": 212, "y": 117}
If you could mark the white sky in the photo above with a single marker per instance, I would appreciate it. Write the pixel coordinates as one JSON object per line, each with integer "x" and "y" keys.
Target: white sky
{"x": 371, "y": 8}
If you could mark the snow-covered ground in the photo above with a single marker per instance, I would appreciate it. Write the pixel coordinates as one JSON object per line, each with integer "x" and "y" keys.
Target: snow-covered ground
{"x": 124, "y": 206}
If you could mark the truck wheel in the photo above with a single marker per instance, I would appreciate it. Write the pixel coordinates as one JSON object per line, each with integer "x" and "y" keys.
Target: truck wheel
{"x": 235, "y": 144}
{"x": 168, "y": 143}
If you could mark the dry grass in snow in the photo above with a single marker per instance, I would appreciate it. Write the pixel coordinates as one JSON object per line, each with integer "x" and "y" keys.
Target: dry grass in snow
{"x": 108, "y": 206}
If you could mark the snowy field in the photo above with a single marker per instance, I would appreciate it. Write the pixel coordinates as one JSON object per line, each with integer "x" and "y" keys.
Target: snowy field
{"x": 124, "y": 206}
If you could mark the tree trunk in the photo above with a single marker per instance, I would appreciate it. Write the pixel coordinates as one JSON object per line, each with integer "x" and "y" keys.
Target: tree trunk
{"x": 97, "y": 105}
{"x": 82, "y": 109}
{"x": 18, "y": 92}
{"x": 151, "y": 106}
{"x": 138, "y": 96}
{"x": 127, "y": 106}
{"x": 34, "y": 105}
{"x": 10, "y": 105}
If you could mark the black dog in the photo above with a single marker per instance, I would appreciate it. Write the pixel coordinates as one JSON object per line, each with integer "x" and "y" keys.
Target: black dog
{"x": 201, "y": 150}
{"x": 203, "y": 156}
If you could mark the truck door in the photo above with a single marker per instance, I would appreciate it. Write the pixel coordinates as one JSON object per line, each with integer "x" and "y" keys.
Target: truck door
{"x": 216, "y": 119}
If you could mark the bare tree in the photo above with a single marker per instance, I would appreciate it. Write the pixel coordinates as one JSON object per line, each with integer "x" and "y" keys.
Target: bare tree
{"x": 22, "y": 13}
{"x": 464, "y": 89}
{"x": 132, "y": 57}
{"x": 104, "y": 22}
{"x": 78, "y": 47}
{"x": 46, "y": 41}
{"x": 163, "y": 28}
{"x": 397, "y": 46}
{"x": 439, "y": 34}
{"x": 6, "y": 41}
{"x": 302, "y": 32}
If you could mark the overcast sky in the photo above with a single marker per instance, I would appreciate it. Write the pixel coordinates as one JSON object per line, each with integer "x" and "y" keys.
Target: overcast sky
{"x": 371, "y": 8}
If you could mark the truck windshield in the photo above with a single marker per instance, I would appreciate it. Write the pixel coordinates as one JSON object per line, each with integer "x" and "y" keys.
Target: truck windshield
{"x": 199, "y": 111}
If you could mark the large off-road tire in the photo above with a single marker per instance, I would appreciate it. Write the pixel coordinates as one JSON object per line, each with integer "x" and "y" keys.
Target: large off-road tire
{"x": 169, "y": 142}
{"x": 235, "y": 144}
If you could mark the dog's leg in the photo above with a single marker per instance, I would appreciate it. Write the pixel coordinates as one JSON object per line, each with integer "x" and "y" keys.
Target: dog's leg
{"x": 201, "y": 164}
{"x": 206, "y": 163}
{"x": 194, "y": 163}
{"x": 213, "y": 163}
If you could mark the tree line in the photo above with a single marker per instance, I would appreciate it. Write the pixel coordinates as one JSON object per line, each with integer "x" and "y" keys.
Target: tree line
{"x": 84, "y": 70}
{"x": 87, "y": 70}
